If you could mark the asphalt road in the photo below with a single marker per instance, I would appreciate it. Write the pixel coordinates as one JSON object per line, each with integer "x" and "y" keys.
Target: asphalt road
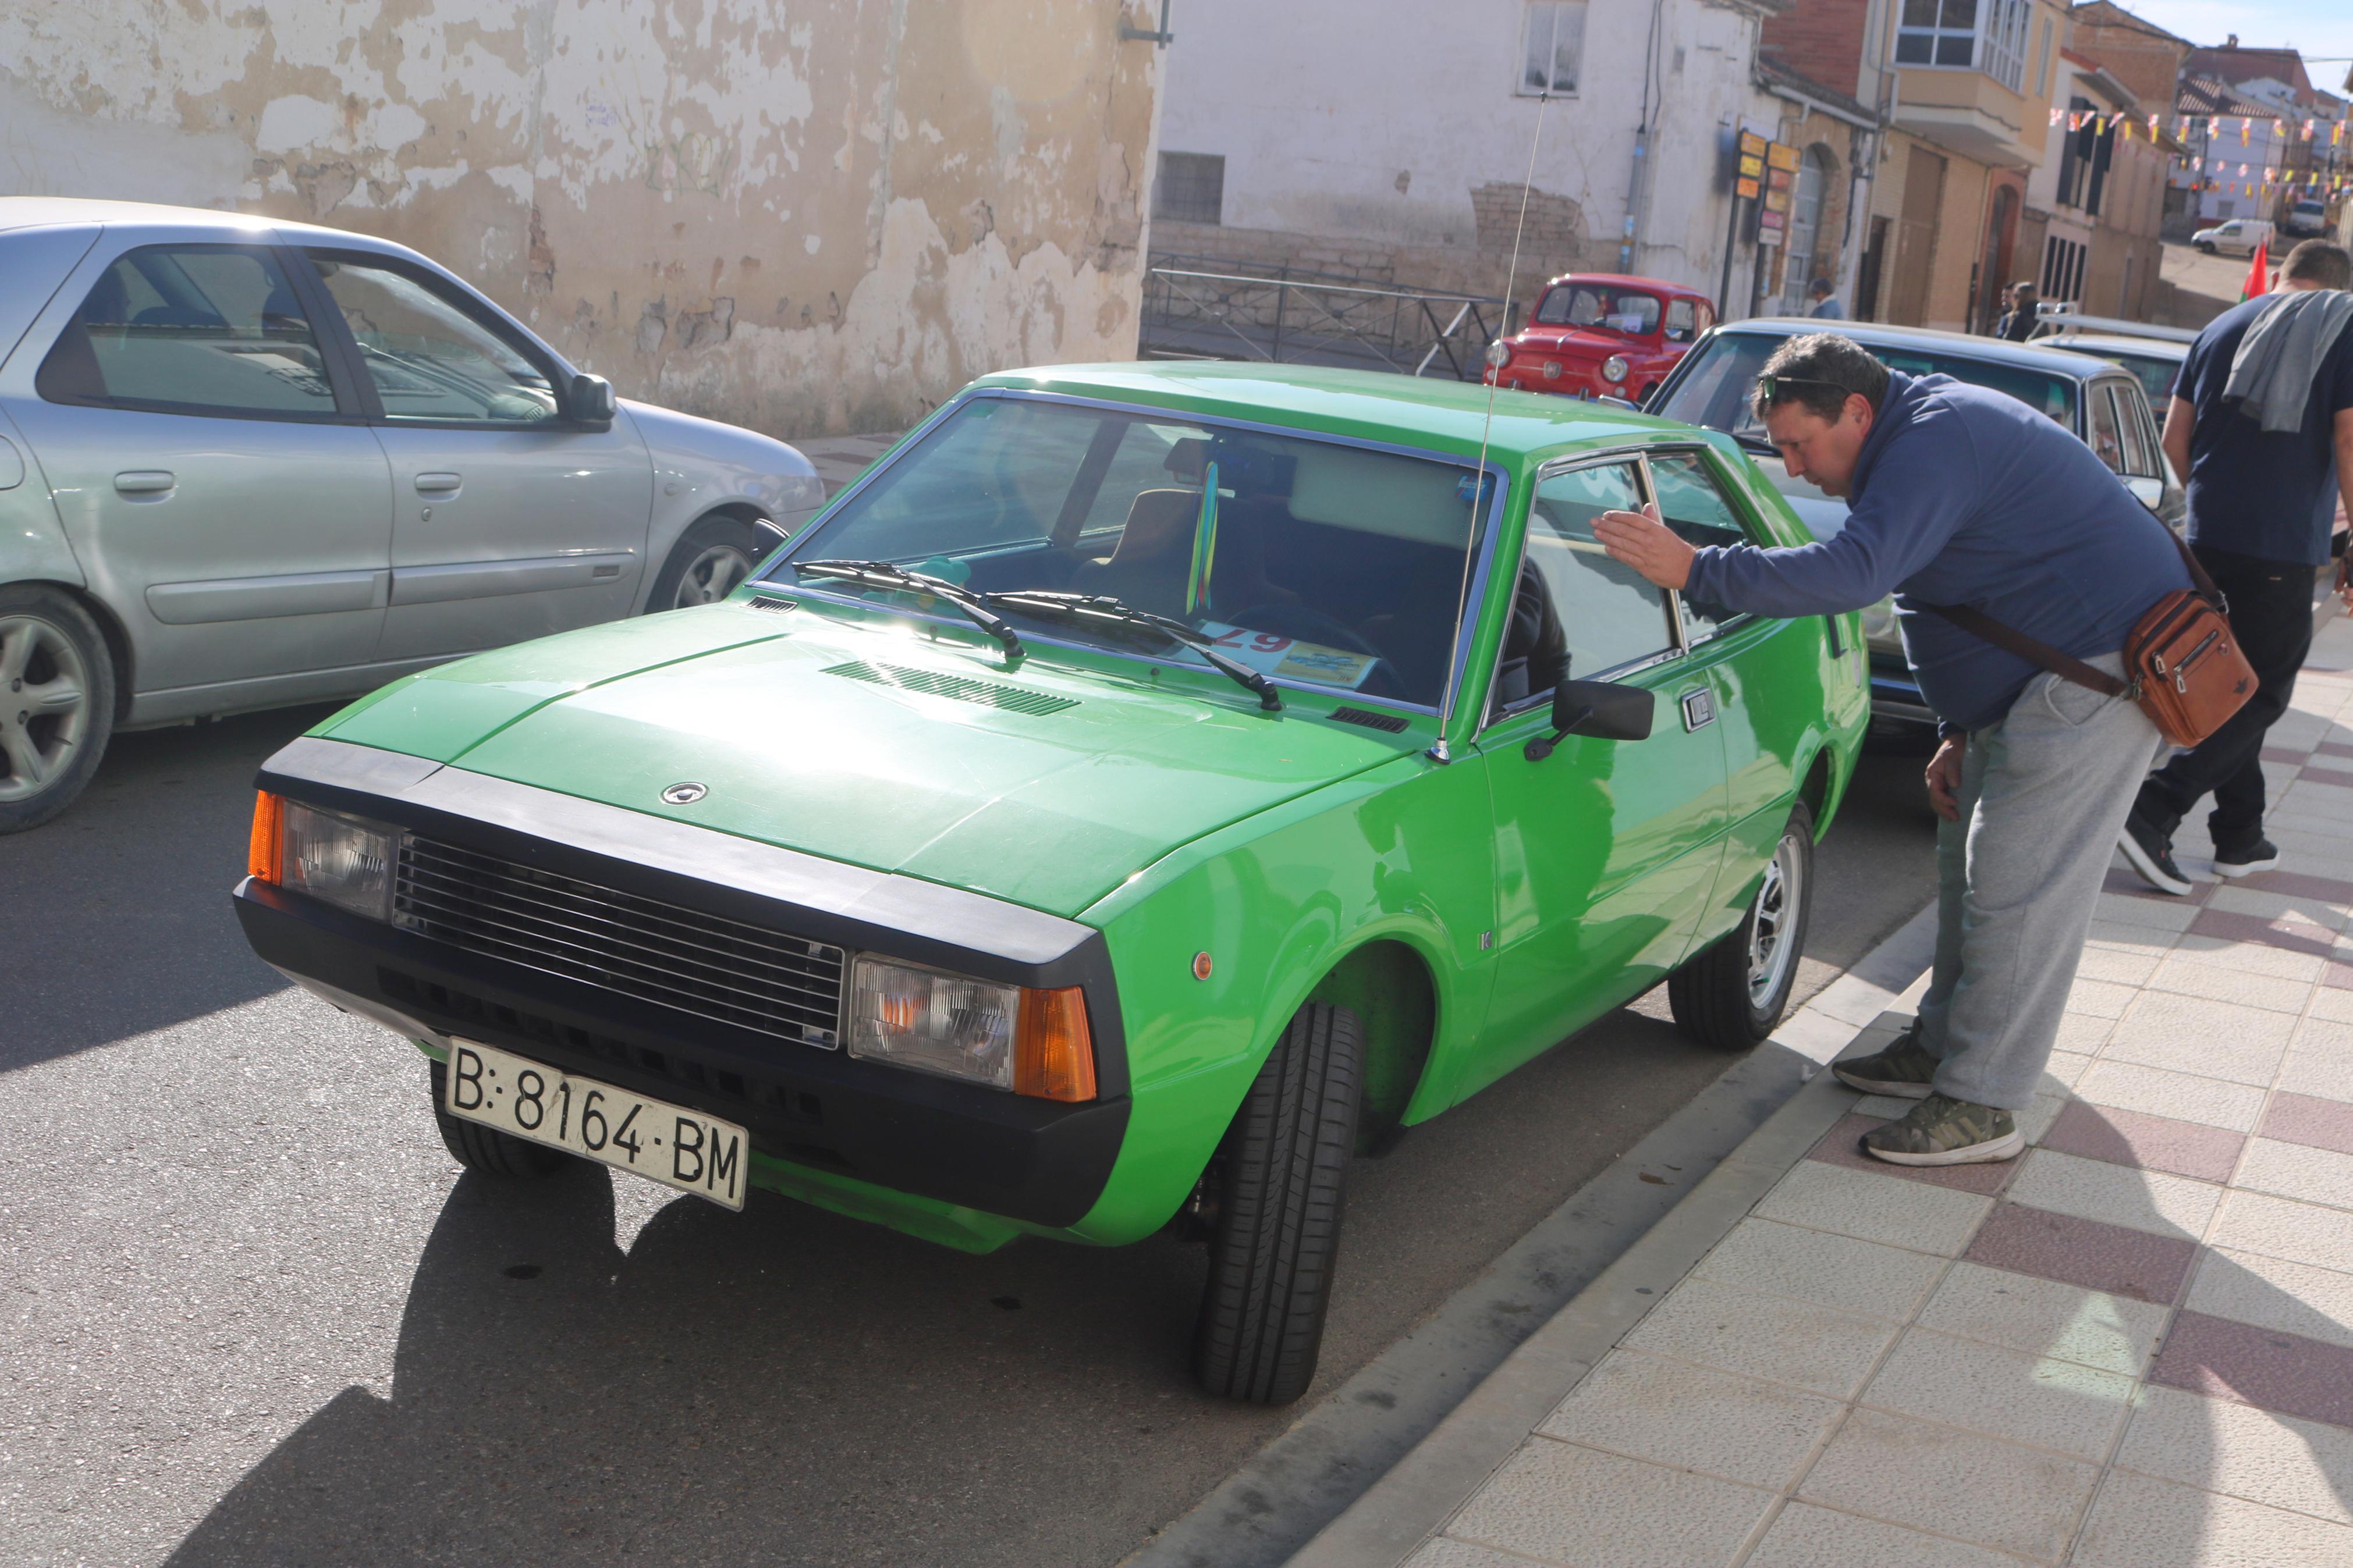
{"x": 254, "y": 1314}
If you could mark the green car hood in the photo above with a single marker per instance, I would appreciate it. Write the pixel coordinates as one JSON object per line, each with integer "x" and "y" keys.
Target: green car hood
{"x": 809, "y": 731}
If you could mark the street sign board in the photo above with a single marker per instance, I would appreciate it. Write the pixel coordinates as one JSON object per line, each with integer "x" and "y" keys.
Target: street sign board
{"x": 1782, "y": 156}
{"x": 1745, "y": 189}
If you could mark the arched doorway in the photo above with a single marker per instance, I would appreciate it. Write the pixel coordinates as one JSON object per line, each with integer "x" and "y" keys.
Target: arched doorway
{"x": 1805, "y": 229}
{"x": 2002, "y": 235}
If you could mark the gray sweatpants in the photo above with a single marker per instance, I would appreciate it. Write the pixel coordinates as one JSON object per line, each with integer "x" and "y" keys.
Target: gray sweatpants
{"x": 2044, "y": 795}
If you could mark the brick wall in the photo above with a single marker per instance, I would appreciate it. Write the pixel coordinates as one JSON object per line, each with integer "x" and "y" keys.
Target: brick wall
{"x": 1821, "y": 39}
{"x": 2148, "y": 66}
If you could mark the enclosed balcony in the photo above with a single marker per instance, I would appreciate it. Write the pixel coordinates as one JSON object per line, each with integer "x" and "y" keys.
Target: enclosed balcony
{"x": 1974, "y": 75}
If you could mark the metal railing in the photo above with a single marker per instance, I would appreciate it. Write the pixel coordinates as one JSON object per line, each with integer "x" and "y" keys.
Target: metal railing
{"x": 1215, "y": 311}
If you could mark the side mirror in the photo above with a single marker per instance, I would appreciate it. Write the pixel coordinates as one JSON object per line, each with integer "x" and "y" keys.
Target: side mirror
{"x": 1602, "y": 708}
{"x": 592, "y": 400}
{"x": 2149, "y": 490}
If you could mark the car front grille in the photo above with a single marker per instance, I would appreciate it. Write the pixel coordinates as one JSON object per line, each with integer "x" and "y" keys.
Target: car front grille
{"x": 656, "y": 951}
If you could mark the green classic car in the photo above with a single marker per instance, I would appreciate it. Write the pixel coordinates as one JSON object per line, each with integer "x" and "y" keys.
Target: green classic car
{"x": 1147, "y": 786}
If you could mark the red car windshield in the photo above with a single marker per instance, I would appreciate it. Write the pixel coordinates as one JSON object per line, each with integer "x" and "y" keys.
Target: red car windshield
{"x": 1599, "y": 309}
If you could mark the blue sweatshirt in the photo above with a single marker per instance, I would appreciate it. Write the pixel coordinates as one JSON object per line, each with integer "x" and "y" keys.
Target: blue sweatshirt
{"x": 1966, "y": 496}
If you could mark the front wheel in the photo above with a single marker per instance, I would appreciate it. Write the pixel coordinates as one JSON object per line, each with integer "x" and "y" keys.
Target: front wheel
{"x": 709, "y": 562}
{"x": 2205, "y": 246}
{"x": 1277, "y": 1184}
{"x": 1733, "y": 996}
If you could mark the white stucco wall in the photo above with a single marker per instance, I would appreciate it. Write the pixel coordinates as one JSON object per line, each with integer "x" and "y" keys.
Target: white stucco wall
{"x": 799, "y": 214}
{"x": 1376, "y": 119}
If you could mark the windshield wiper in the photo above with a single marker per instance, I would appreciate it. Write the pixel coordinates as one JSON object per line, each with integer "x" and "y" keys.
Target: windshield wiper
{"x": 1104, "y": 607}
{"x": 890, "y": 574}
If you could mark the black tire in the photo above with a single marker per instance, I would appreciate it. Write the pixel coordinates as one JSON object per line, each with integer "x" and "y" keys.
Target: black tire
{"x": 58, "y": 685}
{"x": 707, "y": 562}
{"x": 2204, "y": 245}
{"x": 488, "y": 1151}
{"x": 1720, "y": 998}
{"x": 1278, "y": 1183}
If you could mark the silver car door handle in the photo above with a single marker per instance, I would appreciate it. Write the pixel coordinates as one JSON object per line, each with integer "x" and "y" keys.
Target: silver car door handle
{"x": 438, "y": 484}
{"x": 1699, "y": 708}
{"x": 144, "y": 481}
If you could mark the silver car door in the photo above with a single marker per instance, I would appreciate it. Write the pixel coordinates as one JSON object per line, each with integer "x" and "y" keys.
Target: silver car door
{"x": 511, "y": 520}
{"x": 221, "y": 502}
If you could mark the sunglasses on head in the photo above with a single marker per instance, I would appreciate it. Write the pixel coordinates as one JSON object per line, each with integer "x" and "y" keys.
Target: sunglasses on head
{"x": 1768, "y": 388}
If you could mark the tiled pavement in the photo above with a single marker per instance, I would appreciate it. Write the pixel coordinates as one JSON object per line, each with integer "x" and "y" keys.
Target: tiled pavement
{"x": 2131, "y": 1348}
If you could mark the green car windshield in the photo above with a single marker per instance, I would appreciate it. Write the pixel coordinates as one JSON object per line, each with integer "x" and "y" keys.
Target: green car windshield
{"x": 1319, "y": 562}
{"x": 1716, "y": 389}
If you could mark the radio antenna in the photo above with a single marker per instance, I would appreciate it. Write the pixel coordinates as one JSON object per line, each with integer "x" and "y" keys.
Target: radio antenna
{"x": 1486, "y": 428}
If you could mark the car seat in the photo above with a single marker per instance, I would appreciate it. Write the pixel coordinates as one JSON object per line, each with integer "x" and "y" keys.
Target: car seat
{"x": 1148, "y": 565}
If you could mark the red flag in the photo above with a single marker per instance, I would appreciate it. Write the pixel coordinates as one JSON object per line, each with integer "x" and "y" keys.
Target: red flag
{"x": 2258, "y": 273}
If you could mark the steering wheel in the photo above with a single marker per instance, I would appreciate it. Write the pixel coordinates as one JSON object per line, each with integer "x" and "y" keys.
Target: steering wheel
{"x": 1303, "y": 625}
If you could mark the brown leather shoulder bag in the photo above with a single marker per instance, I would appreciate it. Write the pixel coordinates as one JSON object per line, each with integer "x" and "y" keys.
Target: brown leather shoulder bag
{"x": 2181, "y": 663}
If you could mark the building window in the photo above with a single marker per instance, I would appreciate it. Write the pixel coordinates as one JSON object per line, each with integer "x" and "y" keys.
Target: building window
{"x": 1191, "y": 188}
{"x": 1805, "y": 229}
{"x": 1554, "y": 47}
{"x": 1983, "y": 34}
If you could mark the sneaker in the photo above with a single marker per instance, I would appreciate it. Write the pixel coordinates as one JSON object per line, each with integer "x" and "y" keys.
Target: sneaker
{"x": 1941, "y": 1131}
{"x": 2260, "y": 856}
{"x": 1903, "y": 1070}
{"x": 2151, "y": 854}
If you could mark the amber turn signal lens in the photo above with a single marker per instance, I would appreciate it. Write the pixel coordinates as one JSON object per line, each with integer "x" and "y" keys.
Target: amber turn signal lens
{"x": 1053, "y": 1054}
{"x": 261, "y": 856}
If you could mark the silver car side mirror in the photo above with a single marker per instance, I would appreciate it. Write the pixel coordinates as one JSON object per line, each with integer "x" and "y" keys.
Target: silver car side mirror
{"x": 592, "y": 400}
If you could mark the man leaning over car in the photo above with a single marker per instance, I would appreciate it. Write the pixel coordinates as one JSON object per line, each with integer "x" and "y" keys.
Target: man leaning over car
{"x": 1961, "y": 495}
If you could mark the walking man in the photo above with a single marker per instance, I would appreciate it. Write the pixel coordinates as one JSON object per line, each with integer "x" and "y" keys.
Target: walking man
{"x": 1965, "y": 496}
{"x": 1824, "y": 307}
{"x": 2262, "y": 409}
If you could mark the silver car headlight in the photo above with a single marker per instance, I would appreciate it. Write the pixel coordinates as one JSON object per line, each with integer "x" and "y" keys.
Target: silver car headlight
{"x": 343, "y": 860}
{"x": 1879, "y": 629}
{"x": 1614, "y": 367}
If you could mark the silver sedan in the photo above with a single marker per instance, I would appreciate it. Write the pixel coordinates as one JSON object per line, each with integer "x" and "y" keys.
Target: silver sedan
{"x": 245, "y": 463}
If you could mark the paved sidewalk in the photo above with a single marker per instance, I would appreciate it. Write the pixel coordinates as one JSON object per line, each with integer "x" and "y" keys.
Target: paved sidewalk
{"x": 2131, "y": 1348}
{"x": 842, "y": 459}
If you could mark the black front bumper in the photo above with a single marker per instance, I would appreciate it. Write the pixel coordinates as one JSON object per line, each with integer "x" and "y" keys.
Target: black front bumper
{"x": 1040, "y": 1160}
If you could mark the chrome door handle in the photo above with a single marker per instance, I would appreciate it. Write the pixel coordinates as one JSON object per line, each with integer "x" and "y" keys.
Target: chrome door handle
{"x": 1699, "y": 708}
{"x": 144, "y": 481}
{"x": 438, "y": 484}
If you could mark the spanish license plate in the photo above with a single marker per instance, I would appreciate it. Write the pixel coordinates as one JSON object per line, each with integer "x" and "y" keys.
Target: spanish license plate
{"x": 665, "y": 1143}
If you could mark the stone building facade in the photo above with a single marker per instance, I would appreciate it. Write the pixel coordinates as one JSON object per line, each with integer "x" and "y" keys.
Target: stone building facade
{"x": 803, "y": 216}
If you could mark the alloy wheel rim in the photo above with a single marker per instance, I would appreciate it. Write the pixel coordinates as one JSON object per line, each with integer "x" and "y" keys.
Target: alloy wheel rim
{"x": 712, "y": 575}
{"x": 1771, "y": 950}
{"x": 45, "y": 708}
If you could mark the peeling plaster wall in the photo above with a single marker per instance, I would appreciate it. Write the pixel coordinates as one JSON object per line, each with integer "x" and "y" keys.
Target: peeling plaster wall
{"x": 802, "y": 215}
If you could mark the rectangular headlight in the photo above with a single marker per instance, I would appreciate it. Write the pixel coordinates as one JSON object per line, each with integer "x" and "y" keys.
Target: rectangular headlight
{"x": 934, "y": 1022}
{"x": 342, "y": 860}
{"x": 1030, "y": 1041}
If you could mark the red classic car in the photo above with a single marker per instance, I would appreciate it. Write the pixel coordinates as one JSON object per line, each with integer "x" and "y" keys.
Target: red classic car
{"x": 1595, "y": 335}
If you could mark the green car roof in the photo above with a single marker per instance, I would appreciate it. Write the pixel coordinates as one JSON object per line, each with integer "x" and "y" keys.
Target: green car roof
{"x": 1448, "y": 416}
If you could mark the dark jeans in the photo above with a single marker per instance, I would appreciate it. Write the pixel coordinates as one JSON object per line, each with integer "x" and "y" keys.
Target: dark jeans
{"x": 2271, "y": 614}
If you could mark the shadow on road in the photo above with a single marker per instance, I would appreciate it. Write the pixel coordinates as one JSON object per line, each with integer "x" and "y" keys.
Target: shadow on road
{"x": 115, "y": 915}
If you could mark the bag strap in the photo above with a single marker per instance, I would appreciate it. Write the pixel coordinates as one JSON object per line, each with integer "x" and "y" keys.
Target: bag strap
{"x": 2198, "y": 577}
{"x": 2063, "y": 665}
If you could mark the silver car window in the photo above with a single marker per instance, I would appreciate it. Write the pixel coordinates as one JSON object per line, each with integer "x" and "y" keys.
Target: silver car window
{"x": 191, "y": 329}
{"x": 429, "y": 360}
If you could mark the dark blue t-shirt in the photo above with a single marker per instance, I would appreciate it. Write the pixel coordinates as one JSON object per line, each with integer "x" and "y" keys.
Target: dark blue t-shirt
{"x": 2269, "y": 495}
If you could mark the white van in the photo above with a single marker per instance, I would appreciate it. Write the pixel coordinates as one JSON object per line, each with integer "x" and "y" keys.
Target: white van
{"x": 2240, "y": 237}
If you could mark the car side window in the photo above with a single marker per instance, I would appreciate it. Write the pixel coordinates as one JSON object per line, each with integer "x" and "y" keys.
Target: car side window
{"x": 2133, "y": 428}
{"x": 1608, "y": 616}
{"x": 1683, "y": 319}
{"x": 1694, "y": 506}
{"x": 2107, "y": 442}
{"x": 192, "y": 328}
{"x": 430, "y": 360}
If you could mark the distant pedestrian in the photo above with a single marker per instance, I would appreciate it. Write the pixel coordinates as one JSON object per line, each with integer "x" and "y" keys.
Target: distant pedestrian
{"x": 1825, "y": 307}
{"x": 2261, "y": 410}
{"x": 2017, "y": 324}
{"x": 1964, "y": 496}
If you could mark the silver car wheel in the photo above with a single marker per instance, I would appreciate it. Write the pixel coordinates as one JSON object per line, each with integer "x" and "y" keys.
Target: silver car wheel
{"x": 45, "y": 707}
{"x": 1779, "y": 899}
{"x": 712, "y": 575}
